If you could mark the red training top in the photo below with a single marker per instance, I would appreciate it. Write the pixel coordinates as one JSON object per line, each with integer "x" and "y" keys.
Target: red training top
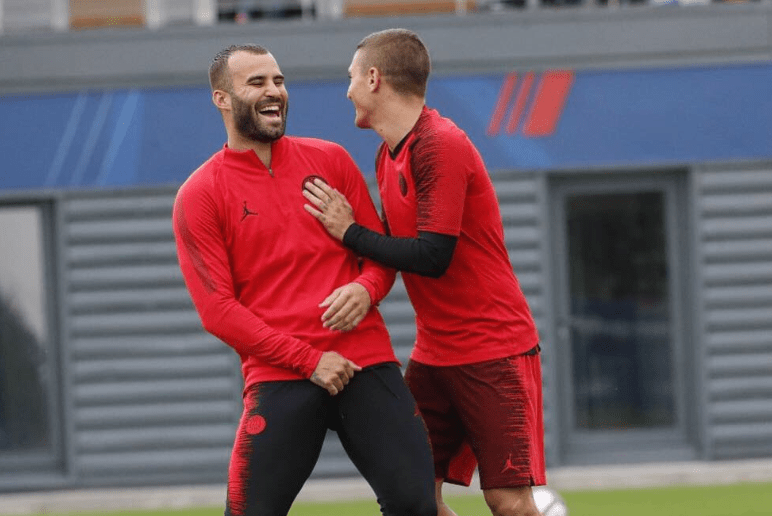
{"x": 257, "y": 265}
{"x": 436, "y": 181}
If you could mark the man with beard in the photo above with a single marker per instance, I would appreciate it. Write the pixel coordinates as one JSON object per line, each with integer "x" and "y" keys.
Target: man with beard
{"x": 262, "y": 280}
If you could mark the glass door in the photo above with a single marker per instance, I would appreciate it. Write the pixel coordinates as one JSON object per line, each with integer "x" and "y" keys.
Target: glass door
{"x": 618, "y": 319}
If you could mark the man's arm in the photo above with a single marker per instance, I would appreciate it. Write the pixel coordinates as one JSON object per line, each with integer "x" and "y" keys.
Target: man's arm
{"x": 349, "y": 304}
{"x": 429, "y": 254}
{"x": 204, "y": 263}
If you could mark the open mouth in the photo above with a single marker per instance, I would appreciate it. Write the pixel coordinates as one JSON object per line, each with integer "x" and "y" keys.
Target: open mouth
{"x": 270, "y": 111}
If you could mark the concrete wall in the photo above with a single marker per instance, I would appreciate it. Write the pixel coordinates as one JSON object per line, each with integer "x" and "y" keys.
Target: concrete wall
{"x": 483, "y": 42}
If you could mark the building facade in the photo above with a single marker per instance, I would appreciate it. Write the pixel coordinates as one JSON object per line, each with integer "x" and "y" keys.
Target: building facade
{"x": 631, "y": 151}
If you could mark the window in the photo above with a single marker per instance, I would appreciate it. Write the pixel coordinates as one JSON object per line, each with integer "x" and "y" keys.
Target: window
{"x": 28, "y": 439}
{"x": 620, "y": 308}
{"x": 620, "y": 328}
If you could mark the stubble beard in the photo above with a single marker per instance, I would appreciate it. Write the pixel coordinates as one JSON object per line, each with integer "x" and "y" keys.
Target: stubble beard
{"x": 249, "y": 125}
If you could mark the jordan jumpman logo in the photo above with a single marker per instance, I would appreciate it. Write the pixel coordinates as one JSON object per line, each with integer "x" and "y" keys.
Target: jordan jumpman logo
{"x": 508, "y": 466}
{"x": 247, "y": 212}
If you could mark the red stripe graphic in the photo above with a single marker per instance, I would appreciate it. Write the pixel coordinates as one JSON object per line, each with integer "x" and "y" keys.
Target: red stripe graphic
{"x": 517, "y": 109}
{"x": 501, "y": 105}
{"x": 551, "y": 95}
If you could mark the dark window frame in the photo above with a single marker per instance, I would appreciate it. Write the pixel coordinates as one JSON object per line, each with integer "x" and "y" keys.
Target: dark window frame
{"x": 31, "y": 466}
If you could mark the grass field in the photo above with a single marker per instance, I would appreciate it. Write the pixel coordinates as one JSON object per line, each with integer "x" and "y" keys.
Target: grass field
{"x": 727, "y": 500}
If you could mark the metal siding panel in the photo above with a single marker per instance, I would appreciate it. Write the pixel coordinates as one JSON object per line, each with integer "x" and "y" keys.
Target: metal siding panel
{"x": 742, "y": 411}
{"x": 151, "y": 415}
{"x": 150, "y": 203}
{"x": 142, "y": 363}
{"x": 740, "y": 319}
{"x": 131, "y": 323}
{"x": 737, "y": 341}
{"x": 523, "y": 211}
{"x": 159, "y": 346}
{"x": 95, "y": 394}
{"x": 399, "y": 315}
{"x": 525, "y": 236}
{"x": 131, "y": 298}
{"x": 521, "y": 199}
{"x": 162, "y": 437}
{"x": 738, "y": 203}
{"x": 155, "y": 398}
{"x": 516, "y": 187}
{"x": 746, "y": 364}
{"x": 735, "y": 249}
{"x": 125, "y": 275}
{"x": 740, "y": 387}
{"x": 146, "y": 467}
{"x": 121, "y": 230}
{"x": 95, "y": 255}
{"x": 732, "y": 273}
{"x": 397, "y": 310}
{"x": 531, "y": 282}
{"x": 723, "y": 180}
{"x": 739, "y": 432}
{"x": 736, "y": 227}
{"x": 108, "y": 370}
{"x": 739, "y": 296}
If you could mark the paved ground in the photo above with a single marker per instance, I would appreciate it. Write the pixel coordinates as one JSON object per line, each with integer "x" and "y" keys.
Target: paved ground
{"x": 578, "y": 478}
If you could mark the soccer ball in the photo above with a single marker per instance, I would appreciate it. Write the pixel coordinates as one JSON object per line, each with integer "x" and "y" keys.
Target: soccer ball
{"x": 549, "y": 502}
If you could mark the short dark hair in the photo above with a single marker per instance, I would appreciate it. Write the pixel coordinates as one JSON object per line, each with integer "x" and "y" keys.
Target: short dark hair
{"x": 219, "y": 77}
{"x": 400, "y": 56}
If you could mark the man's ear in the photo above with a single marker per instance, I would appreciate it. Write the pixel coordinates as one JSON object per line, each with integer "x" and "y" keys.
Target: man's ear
{"x": 373, "y": 78}
{"x": 221, "y": 99}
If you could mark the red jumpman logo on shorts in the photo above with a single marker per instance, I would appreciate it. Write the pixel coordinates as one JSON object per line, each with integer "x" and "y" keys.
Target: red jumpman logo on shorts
{"x": 508, "y": 466}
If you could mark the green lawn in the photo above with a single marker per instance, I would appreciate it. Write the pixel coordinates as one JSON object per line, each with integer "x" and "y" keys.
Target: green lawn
{"x": 731, "y": 500}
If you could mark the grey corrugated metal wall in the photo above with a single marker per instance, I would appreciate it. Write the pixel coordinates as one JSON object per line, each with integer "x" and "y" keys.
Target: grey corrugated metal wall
{"x": 522, "y": 198}
{"x": 734, "y": 218}
{"x": 151, "y": 396}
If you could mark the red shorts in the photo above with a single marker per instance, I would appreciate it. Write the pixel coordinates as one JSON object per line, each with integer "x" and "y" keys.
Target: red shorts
{"x": 487, "y": 415}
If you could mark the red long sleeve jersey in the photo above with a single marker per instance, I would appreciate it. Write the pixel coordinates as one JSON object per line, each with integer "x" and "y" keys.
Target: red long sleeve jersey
{"x": 437, "y": 182}
{"x": 257, "y": 265}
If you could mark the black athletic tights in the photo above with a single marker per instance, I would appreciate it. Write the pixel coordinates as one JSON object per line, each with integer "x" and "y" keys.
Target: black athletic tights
{"x": 283, "y": 427}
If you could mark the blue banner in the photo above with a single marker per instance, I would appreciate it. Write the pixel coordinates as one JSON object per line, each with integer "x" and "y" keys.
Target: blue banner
{"x": 524, "y": 120}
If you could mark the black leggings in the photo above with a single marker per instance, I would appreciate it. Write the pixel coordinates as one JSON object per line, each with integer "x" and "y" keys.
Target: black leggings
{"x": 283, "y": 427}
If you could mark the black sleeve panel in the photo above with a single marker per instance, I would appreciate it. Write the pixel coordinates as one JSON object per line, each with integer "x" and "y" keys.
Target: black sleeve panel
{"x": 428, "y": 255}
